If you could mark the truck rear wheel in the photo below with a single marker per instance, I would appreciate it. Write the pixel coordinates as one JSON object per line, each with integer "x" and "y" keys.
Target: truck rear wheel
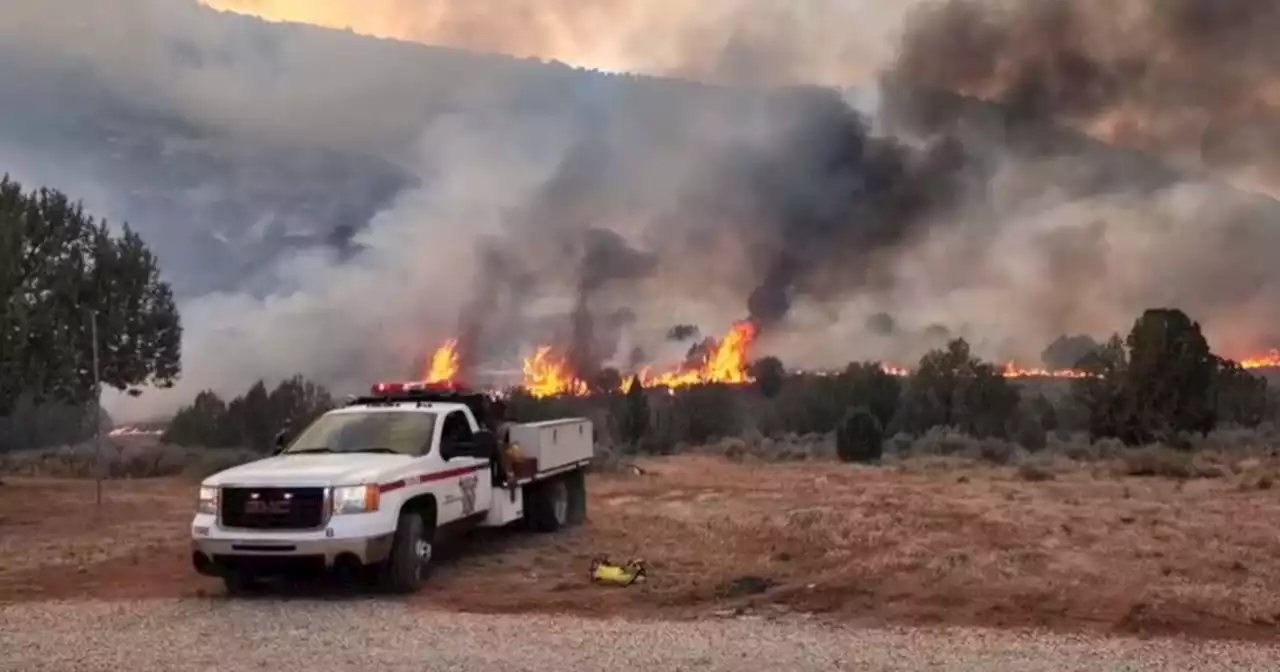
{"x": 547, "y": 506}
{"x": 576, "y": 482}
{"x": 409, "y": 564}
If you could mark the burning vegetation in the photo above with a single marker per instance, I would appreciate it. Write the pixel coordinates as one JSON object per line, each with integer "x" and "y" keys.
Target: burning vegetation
{"x": 548, "y": 372}
{"x": 445, "y": 364}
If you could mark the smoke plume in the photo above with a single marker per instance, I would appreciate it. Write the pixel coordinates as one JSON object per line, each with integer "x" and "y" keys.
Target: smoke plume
{"x": 1191, "y": 79}
{"x": 592, "y": 212}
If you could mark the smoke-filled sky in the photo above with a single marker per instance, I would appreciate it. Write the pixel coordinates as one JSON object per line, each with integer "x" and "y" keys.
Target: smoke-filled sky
{"x": 598, "y": 212}
{"x": 817, "y": 41}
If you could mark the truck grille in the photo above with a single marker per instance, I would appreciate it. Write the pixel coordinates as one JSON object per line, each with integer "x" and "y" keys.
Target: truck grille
{"x": 273, "y": 508}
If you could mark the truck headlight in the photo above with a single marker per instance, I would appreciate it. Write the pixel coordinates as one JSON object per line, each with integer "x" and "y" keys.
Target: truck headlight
{"x": 355, "y": 499}
{"x": 208, "y": 500}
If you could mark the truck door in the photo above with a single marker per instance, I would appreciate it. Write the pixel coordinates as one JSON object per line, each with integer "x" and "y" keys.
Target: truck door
{"x": 468, "y": 489}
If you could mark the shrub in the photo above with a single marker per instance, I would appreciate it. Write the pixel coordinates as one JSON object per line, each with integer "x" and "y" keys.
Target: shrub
{"x": 1162, "y": 461}
{"x": 151, "y": 461}
{"x": 860, "y": 437}
{"x": 1035, "y": 472}
{"x": 1030, "y": 433}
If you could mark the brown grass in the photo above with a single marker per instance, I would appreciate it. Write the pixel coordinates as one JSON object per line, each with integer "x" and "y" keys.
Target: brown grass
{"x": 1052, "y": 543}
{"x": 124, "y": 458}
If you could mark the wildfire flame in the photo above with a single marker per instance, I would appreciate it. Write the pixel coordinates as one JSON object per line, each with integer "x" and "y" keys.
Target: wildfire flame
{"x": 727, "y": 361}
{"x": 547, "y": 374}
{"x": 445, "y": 363}
{"x": 1271, "y": 360}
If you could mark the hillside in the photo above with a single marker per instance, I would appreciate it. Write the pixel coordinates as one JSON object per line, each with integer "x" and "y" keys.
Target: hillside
{"x": 229, "y": 141}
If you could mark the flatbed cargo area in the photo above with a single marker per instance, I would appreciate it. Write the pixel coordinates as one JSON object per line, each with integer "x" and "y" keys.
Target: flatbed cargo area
{"x": 552, "y": 445}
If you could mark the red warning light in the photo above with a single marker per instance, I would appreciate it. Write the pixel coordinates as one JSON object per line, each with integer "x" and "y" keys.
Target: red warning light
{"x": 392, "y": 389}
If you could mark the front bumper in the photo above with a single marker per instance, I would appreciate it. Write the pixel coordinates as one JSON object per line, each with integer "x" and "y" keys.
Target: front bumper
{"x": 217, "y": 552}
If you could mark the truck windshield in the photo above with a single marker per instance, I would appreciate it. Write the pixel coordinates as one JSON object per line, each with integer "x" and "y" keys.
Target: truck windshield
{"x": 407, "y": 433}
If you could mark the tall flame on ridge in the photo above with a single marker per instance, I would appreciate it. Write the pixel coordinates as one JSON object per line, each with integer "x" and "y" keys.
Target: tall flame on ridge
{"x": 445, "y": 364}
{"x": 547, "y": 374}
{"x": 727, "y": 361}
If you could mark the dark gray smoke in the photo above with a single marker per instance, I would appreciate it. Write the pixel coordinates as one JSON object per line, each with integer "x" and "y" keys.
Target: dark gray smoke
{"x": 1194, "y": 79}
{"x": 1007, "y": 223}
{"x": 1189, "y": 81}
{"x": 815, "y": 201}
{"x": 826, "y": 198}
{"x": 682, "y": 332}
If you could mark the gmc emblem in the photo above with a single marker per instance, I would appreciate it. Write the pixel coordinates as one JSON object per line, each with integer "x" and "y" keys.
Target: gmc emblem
{"x": 256, "y": 504}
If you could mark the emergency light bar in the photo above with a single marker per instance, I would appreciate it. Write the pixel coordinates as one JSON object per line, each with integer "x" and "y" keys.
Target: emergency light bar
{"x": 392, "y": 389}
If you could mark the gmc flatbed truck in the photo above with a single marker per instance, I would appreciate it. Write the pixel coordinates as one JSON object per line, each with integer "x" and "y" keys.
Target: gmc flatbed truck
{"x": 374, "y": 487}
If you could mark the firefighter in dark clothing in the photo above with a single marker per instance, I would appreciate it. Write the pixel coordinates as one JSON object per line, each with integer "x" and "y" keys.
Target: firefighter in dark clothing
{"x": 497, "y": 421}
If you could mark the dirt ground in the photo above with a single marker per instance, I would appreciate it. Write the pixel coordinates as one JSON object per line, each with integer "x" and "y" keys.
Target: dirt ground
{"x": 969, "y": 546}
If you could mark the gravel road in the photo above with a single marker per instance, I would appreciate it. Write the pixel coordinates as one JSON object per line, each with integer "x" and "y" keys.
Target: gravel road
{"x": 217, "y": 634}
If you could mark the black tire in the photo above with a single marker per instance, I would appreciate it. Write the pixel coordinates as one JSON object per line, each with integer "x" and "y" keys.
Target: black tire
{"x": 409, "y": 564}
{"x": 576, "y": 482}
{"x": 546, "y": 506}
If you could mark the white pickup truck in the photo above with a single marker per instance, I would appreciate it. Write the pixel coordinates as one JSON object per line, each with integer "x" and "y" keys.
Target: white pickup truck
{"x": 374, "y": 487}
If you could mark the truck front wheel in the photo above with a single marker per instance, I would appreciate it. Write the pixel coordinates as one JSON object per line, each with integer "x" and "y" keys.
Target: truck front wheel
{"x": 409, "y": 564}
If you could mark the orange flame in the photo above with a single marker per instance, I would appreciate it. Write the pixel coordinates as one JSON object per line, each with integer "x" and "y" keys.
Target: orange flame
{"x": 549, "y": 375}
{"x": 1271, "y": 360}
{"x": 445, "y": 363}
{"x": 727, "y": 361}
{"x": 1013, "y": 370}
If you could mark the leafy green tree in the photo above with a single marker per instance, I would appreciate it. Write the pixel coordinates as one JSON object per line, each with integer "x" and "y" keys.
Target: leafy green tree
{"x": 252, "y": 416}
{"x": 200, "y": 424}
{"x": 58, "y": 265}
{"x": 868, "y": 385}
{"x": 296, "y": 402}
{"x": 636, "y": 424}
{"x": 770, "y": 376}
{"x": 251, "y": 420}
{"x": 1169, "y": 386}
{"x": 1043, "y": 410}
{"x": 1241, "y": 397}
{"x": 708, "y": 412}
{"x": 1101, "y": 394}
{"x": 808, "y": 404}
{"x": 1163, "y": 381}
{"x": 953, "y": 388}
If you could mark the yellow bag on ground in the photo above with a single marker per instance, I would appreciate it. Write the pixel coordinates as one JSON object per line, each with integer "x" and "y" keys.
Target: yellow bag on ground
{"x": 603, "y": 571}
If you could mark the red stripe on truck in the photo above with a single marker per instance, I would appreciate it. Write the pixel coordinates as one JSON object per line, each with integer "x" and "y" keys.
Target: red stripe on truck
{"x": 394, "y": 485}
{"x": 428, "y": 478}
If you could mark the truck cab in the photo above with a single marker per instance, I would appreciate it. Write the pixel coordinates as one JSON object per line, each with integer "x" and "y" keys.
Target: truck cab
{"x": 375, "y": 486}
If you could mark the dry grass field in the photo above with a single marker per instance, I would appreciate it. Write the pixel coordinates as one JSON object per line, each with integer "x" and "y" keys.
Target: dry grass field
{"x": 1065, "y": 546}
